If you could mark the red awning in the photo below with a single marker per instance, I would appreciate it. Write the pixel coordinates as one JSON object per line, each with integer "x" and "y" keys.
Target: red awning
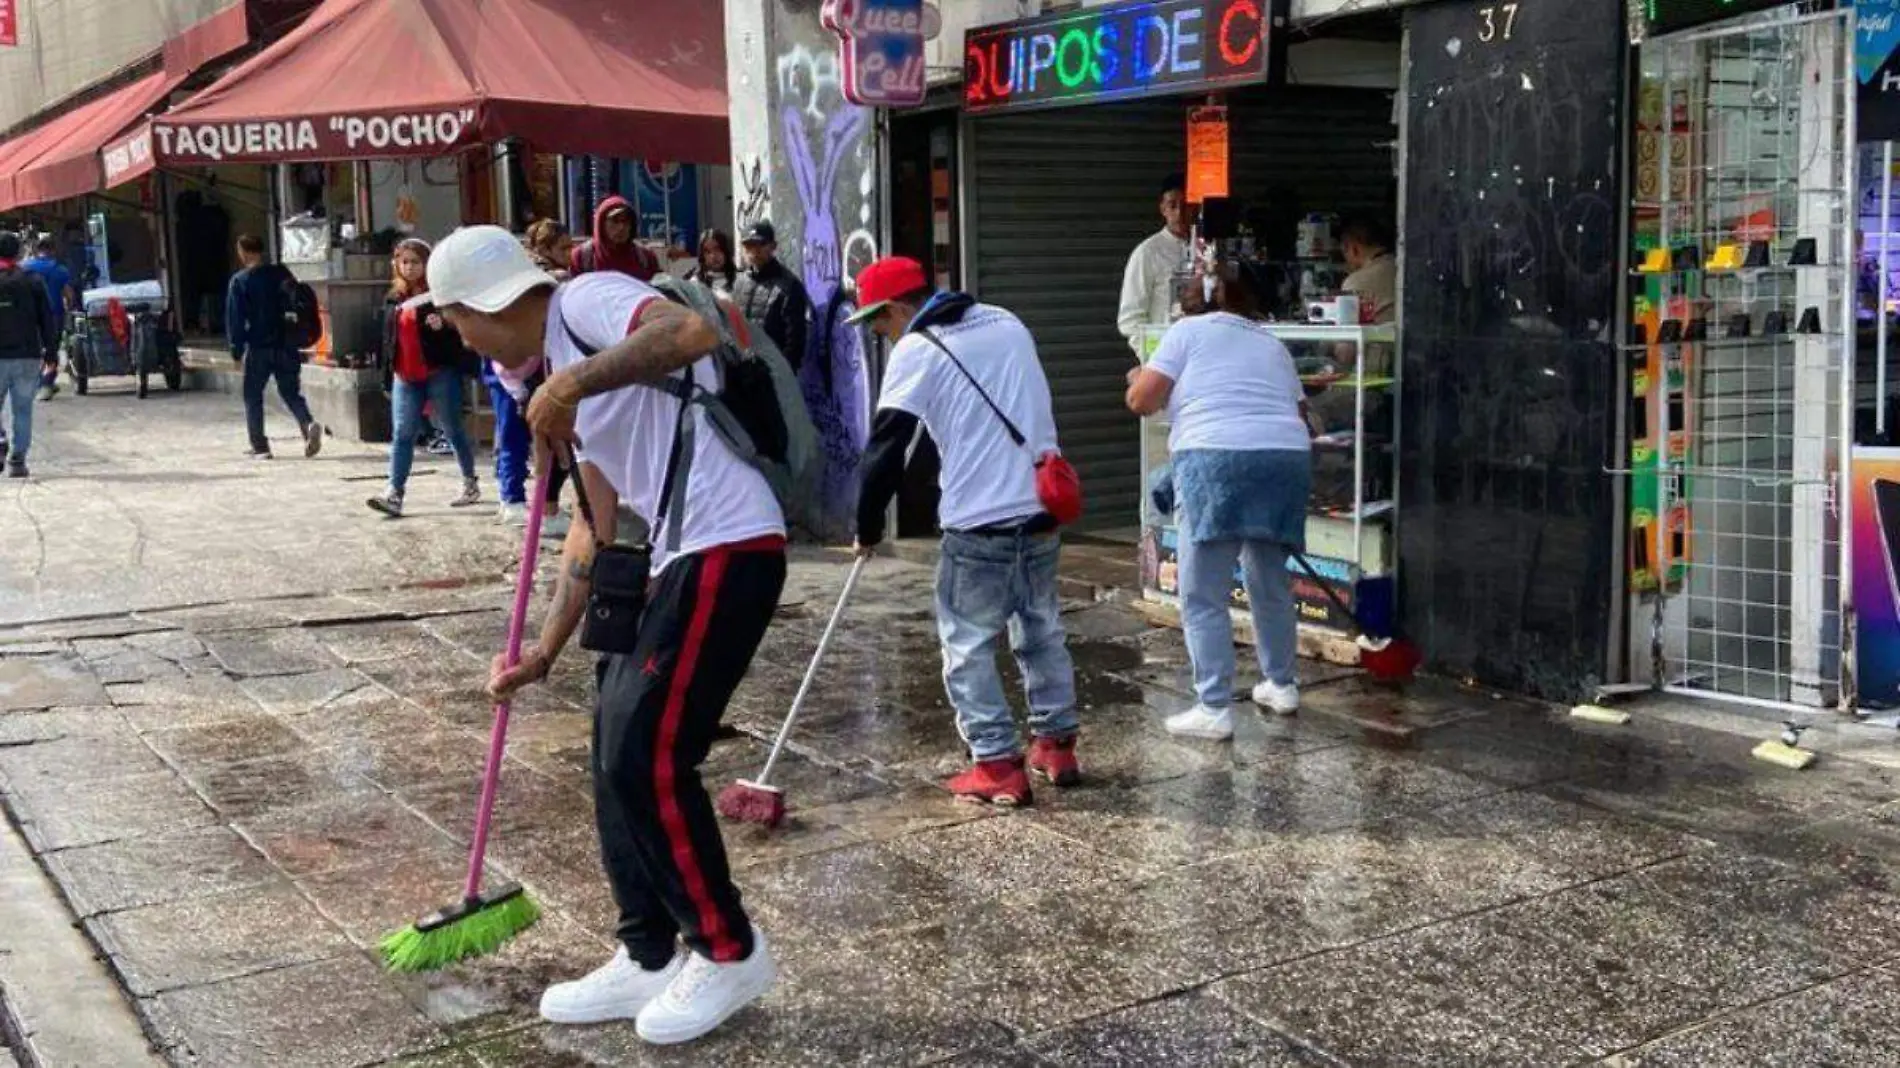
{"x": 375, "y": 79}
{"x": 65, "y": 160}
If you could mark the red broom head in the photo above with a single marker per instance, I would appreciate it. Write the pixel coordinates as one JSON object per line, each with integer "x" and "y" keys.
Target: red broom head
{"x": 1394, "y": 660}
{"x": 749, "y": 802}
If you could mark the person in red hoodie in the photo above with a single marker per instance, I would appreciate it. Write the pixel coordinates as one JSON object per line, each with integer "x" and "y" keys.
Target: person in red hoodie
{"x": 613, "y": 247}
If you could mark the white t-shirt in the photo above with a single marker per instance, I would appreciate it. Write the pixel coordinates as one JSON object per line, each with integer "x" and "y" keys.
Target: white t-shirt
{"x": 987, "y": 478}
{"x": 628, "y": 434}
{"x": 1235, "y": 386}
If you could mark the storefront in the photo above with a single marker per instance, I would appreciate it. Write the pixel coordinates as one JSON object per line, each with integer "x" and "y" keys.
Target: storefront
{"x": 376, "y": 120}
{"x": 1036, "y": 194}
{"x": 1753, "y": 249}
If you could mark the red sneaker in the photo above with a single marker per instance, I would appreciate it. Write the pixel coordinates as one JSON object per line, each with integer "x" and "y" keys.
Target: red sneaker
{"x": 995, "y": 782}
{"x": 1054, "y": 760}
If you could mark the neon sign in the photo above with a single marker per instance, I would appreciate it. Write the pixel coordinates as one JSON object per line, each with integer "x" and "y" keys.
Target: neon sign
{"x": 881, "y": 44}
{"x": 1115, "y": 53}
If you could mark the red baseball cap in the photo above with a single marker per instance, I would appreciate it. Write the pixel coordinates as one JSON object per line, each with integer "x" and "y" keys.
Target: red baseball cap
{"x": 885, "y": 281}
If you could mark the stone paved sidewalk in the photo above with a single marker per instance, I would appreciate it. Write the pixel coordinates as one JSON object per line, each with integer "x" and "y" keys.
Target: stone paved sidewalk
{"x": 237, "y": 798}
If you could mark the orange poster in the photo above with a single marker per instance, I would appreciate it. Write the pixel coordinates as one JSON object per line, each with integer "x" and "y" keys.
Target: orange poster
{"x": 1207, "y": 154}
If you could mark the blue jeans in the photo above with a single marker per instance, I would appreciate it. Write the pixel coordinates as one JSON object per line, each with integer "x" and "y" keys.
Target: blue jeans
{"x": 514, "y": 450}
{"x": 260, "y": 366}
{"x": 513, "y": 445}
{"x": 443, "y": 391}
{"x": 1207, "y": 586}
{"x": 986, "y": 586}
{"x": 19, "y": 386}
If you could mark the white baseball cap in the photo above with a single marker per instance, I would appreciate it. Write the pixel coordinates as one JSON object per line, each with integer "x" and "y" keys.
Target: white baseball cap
{"x": 484, "y": 268}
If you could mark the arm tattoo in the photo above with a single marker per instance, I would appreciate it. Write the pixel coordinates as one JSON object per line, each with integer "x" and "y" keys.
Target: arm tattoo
{"x": 672, "y": 338}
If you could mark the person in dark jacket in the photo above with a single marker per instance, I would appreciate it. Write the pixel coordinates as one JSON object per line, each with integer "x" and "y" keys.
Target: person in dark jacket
{"x": 256, "y": 310}
{"x": 772, "y": 296}
{"x": 27, "y": 346}
{"x": 429, "y": 361}
{"x": 613, "y": 246}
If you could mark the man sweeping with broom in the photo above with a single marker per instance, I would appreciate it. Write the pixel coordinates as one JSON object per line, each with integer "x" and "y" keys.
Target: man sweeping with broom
{"x": 677, "y": 624}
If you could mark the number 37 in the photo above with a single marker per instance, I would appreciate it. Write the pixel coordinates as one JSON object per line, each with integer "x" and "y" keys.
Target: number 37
{"x": 1498, "y": 22}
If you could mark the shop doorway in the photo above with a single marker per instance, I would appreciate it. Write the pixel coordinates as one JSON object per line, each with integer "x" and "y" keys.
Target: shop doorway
{"x": 1742, "y": 314}
{"x": 925, "y": 225}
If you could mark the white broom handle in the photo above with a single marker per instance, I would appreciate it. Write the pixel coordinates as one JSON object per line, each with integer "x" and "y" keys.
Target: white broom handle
{"x": 811, "y": 672}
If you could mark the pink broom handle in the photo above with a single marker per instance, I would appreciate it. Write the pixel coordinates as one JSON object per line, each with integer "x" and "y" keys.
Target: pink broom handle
{"x": 498, "y": 740}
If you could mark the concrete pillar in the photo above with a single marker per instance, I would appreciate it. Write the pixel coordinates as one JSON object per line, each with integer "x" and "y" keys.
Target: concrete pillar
{"x": 807, "y": 161}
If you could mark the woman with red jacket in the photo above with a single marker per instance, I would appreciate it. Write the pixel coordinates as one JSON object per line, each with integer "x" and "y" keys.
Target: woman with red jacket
{"x": 429, "y": 362}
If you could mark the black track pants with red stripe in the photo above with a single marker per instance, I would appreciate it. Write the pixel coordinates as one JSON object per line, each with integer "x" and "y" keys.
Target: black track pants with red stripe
{"x": 659, "y": 710}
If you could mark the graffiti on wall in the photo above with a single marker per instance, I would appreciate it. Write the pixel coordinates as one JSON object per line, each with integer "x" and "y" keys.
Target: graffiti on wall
{"x": 825, "y": 213}
{"x": 755, "y": 198}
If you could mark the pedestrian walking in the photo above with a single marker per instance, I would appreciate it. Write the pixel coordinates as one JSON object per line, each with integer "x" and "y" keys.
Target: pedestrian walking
{"x": 63, "y": 297}
{"x": 257, "y": 314}
{"x": 514, "y": 451}
{"x": 772, "y": 296}
{"x": 969, "y": 373}
{"x": 717, "y": 269}
{"x": 551, "y": 247}
{"x": 667, "y": 670}
{"x": 429, "y": 361}
{"x": 1241, "y": 472}
{"x": 26, "y": 349}
{"x": 613, "y": 246}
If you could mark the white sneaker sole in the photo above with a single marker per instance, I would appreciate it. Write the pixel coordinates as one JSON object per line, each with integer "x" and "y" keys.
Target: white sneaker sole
{"x": 679, "y": 1034}
{"x": 1205, "y": 734}
{"x": 577, "y": 1018}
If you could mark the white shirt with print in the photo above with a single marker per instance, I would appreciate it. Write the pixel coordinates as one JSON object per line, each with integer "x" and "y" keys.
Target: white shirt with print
{"x": 1235, "y": 386}
{"x": 628, "y": 434}
{"x": 987, "y": 478}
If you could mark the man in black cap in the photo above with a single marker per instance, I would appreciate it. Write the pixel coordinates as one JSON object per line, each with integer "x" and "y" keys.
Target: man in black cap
{"x": 772, "y": 296}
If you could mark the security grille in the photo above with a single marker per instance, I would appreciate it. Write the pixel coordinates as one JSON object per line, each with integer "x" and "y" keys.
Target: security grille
{"x": 1753, "y": 316}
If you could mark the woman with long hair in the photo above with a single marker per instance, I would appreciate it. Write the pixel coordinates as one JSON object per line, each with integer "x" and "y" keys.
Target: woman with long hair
{"x": 717, "y": 268}
{"x": 428, "y": 360}
{"x": 1242, "y": 472}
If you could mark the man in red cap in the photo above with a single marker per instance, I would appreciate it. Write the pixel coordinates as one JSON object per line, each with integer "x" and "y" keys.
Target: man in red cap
{"x": 969, "y": 373}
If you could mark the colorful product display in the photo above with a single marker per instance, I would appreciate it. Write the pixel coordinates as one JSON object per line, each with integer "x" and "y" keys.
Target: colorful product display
{"x": 1876, "y": 548}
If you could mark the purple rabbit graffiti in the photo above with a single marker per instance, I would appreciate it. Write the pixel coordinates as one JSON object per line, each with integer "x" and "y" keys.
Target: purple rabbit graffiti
{"x": 837, "y": 387}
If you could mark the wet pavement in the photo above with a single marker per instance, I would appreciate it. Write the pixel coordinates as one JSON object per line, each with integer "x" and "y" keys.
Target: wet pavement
{"x": 237, "y": 797}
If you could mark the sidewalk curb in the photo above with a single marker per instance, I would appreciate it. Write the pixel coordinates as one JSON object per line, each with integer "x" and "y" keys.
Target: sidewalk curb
{"x": 61, "y": 1006}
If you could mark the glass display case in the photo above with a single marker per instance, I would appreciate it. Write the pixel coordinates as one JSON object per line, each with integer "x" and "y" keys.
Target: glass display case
{"x": 1350, "y": 375}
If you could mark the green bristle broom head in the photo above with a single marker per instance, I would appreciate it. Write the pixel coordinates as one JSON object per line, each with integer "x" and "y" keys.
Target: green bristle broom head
{"x": 474, "y": 928}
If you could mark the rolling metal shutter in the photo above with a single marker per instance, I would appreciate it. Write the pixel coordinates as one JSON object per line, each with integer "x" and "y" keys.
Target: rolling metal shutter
{"x": 1058, "y": 199}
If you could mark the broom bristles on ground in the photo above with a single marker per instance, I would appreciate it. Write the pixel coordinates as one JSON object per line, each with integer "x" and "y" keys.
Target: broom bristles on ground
{"x": 475, "y": 935}
{"x": 750, "y": 803}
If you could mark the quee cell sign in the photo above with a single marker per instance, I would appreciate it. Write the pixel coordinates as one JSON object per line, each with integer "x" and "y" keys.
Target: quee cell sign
{"x": 1132, "y": 50}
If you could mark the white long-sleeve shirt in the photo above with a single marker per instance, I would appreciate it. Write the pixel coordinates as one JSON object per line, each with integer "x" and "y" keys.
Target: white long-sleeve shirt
{"x": 1148, "y": 285}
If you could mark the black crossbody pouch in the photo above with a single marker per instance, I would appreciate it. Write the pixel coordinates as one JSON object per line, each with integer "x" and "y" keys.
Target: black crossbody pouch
{"x": 617, "y": 596}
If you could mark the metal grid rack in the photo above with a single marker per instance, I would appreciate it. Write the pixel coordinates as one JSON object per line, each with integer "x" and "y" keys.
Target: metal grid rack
{"x": 1757, "y": 442}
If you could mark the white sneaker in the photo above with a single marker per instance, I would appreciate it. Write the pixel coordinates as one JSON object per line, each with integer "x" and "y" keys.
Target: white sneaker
{"x": 470, "y": 496}
{"x": 556, "y": 525}
{"x": 617, "y": 990}
{"x": 1282, "y": 699}
{"x": 1203, "y": 722}
{"x": 513, "y": 515}
{"x": 704, "y": 995}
